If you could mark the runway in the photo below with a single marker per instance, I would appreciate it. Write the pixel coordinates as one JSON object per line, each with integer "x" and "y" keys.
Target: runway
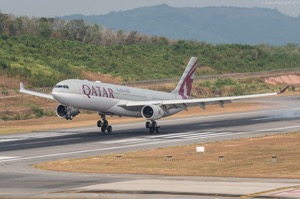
{"x": 19, "y": 151}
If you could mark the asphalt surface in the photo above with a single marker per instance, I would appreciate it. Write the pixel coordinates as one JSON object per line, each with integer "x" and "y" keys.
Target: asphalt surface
{"x": 19, "y": 151}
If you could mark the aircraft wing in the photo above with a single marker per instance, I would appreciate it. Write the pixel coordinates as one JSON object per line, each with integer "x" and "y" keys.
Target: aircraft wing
{"x": 196, "y": 102}
{"x": 43, "y": 95}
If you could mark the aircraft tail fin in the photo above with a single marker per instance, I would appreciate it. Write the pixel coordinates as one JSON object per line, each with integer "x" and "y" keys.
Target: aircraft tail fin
{"x": 184, "y": 86}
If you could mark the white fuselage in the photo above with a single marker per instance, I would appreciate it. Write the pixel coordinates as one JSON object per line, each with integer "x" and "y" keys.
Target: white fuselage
{"x": 104, "y": 98}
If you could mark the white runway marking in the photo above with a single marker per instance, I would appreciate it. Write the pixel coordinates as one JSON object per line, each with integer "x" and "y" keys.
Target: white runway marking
{"x": 7, "y": 157}
{"x": 129, "y": 140}
{"x": 174, "y": 137}
{"x": 8, "y": 140}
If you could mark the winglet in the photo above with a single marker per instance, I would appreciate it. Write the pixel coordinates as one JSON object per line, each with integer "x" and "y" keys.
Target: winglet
{"x": 283, "y": 90}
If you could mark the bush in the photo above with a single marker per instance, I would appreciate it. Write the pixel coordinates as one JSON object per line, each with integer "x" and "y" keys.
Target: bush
{"x": 5, "y": 118}
{"x": 38, "y": 112}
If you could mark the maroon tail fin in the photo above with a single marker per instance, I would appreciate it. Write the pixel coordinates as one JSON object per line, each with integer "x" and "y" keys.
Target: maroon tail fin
{"x": 184, "y": 86}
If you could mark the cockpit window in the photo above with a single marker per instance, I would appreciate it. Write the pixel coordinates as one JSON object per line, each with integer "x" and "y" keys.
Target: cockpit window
{"x": 62, "y": 86}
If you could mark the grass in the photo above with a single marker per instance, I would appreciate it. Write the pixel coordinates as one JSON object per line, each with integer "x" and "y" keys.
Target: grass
{"x": 248, "y": 157}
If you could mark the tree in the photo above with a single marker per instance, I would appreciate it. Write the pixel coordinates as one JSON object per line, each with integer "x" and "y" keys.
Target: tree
{"x": 4, "y": 23}
{"x": 131, "y": 39}
{"x": 76, "y": 30}
{"x": 45, "y": 28}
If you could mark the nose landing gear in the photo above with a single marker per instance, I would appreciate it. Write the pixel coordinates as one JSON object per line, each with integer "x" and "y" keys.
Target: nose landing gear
{"x": 152, "y": 126}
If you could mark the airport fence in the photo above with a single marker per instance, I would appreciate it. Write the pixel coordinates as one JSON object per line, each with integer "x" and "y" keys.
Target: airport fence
{"x": 264, "y": 74}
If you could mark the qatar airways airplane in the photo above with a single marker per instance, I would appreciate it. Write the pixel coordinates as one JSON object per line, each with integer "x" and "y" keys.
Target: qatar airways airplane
{"x": 110, "y": 99}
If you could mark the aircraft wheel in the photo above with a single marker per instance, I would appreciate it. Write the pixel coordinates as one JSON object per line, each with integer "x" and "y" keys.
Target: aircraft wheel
{"x": 105, "y": 123}
{"x": 103, "y": 128}
{"x": 154, "y": 124}
{"x": 99, "y": 123}
{"x": 157, "y": 129}
{"x": 109, "y": 129}
{"x": 152, "y": 129}
{"x": 148, "y": 124}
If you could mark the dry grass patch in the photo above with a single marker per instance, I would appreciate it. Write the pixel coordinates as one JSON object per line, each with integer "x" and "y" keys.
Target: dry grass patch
{"x": 251, "y": 157}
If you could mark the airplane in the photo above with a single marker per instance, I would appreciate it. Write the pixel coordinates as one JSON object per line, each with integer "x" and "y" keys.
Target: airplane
{"x": 116, "y": 100}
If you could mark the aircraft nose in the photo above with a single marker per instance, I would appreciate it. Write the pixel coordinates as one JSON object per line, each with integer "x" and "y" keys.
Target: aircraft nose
{"x": 56, "y": 95}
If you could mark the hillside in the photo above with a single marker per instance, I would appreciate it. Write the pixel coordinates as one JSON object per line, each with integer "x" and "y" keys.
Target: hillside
{"x": 211, "y": 24}
{"x": 43, "y": 51}
{"x": 43, "y": 62}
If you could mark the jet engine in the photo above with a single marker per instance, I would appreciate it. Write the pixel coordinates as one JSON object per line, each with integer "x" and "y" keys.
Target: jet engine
{"x": 66, "y": 112}
{"x": 152, "y": 112}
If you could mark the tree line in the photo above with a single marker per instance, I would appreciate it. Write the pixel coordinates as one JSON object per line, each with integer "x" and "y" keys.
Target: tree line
{"x": 74, "y": 30}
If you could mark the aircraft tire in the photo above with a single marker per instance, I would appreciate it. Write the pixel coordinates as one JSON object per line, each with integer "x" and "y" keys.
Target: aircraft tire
{"x": 109, "y": 129}
{"x": 154, "y": 124}
{"x": 157, "y": 129}
{"x": 99, "y": 123}
{"x": 148, "y": 124}
{"x": 105, "y": 123}
{"x": 152, "y": 129}
{"x": 103, "y": 129}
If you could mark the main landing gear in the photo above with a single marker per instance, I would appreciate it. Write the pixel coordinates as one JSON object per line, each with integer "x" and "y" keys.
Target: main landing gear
{"x": 152, "y": 126}
{"x": 103, "y": 124}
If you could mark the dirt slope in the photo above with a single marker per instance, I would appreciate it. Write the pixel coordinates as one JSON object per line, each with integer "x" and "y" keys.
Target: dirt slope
{"x": 284, "y": 79}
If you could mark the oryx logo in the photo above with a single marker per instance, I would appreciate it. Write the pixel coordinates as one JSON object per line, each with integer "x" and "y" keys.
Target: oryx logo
{"x": 186, "y": 85}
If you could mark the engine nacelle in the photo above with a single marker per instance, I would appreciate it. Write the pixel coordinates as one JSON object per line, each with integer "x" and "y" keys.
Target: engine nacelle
{"x": 66, "y": 112}
{"x": 152, "y": 112}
